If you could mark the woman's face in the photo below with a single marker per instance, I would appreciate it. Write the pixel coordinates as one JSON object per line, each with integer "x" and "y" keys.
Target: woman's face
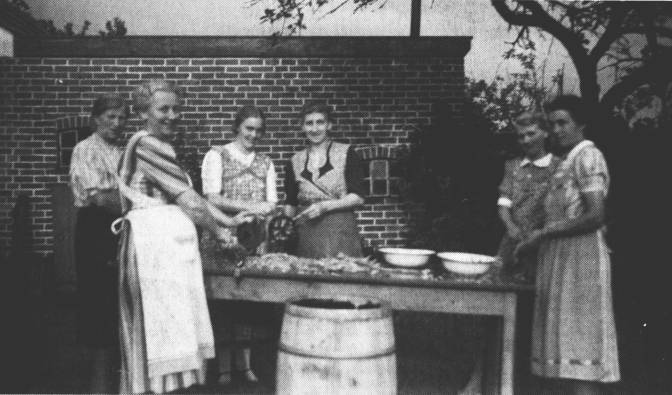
{"x": 532, "y": 139}
{"x": 110, "y": 124}
{"x": 249, "y": 133}
{"x": 163, "y": 114}
{"x": 565, "y": 130}
{"x": 316, "y": 126}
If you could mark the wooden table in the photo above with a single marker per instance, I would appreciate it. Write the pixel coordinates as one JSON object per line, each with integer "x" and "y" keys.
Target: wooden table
{"x": 495, "y": 297}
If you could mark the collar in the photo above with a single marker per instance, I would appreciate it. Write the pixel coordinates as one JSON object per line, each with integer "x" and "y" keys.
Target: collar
{"x": 544, "y": 161}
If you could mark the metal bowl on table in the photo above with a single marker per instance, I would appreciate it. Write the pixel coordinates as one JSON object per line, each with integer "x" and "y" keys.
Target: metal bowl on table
{"x": 406, "y": 257}
{"x": 465, "y": 263}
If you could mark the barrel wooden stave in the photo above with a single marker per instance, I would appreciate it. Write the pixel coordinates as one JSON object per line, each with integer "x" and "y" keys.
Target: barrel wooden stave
{"x": 337, "y": 351}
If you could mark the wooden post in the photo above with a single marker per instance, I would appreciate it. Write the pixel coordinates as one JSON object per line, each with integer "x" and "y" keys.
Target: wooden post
{"x": 415, "y": 18}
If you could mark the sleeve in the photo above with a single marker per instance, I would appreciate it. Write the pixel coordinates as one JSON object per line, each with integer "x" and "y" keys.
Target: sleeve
{"x": 156, "y": 159}
{"x": 591, "y": 171}
{"x": 87, "y": 173}
{"x": 271, "y": 188}
{"x": 354, "y": 173}
{"x": 211, "y": 172}
{"x": 506, "y": 186}
{"x": 291, "y": 186}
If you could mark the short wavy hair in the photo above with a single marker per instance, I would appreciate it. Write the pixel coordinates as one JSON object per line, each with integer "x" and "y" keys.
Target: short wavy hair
{"x": 106, "y": 102}
{"x": 316, "y": 107}
{"x": 574, "y": 105}
{"x": 142, "y": 96}
{"x": 530, "y": 118}
{"x": 246, "y": 112}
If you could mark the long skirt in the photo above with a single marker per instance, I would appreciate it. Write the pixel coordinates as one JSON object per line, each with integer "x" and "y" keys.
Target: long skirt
{"x": 134, "y": 377}
{"x": 329, "y": 235}
{"x": 573, "y": 334}
{"x": 97, "y": 278}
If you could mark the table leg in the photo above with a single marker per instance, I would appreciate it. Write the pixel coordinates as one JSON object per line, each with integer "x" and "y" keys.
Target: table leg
{"x": 500, "y": 350}
{"x": 508, "y": 335}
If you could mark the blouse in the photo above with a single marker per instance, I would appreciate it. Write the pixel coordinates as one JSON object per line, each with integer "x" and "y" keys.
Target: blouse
{"x": 93, "y": 169}
{"x": 211, "y": 171}
{"x": 354, "y": 174}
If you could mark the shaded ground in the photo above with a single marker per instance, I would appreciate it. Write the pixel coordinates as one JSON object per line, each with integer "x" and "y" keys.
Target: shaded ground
{"x": 434, "y": 356}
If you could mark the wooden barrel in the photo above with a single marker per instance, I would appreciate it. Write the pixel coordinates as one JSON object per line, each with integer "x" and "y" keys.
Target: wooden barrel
{"x": 337, "y": 346}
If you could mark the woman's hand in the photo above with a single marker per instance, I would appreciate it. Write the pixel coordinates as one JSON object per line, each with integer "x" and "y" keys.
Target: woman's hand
{"x": 532, "y": 241}
{"x": 262, "y": 208}
{"x": 313, "y": 211}
{"x": 514, "y": 232}
{"x": 224, "y": 238}
{"x": 243, "y": 217}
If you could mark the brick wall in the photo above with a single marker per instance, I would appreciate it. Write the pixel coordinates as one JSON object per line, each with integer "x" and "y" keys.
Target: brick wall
{"x": 377, "y": 100}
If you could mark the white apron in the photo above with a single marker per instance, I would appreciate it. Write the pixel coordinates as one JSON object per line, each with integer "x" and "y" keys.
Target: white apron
{"x": 165, "y": 325}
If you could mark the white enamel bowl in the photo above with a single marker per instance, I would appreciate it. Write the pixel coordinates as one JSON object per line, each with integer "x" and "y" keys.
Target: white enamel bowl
{"x": 466, "y": 263}
{"x": 406, "y": 257}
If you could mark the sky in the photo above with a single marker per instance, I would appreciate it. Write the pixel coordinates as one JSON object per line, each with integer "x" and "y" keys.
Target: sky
{"x": 474, "y": 18}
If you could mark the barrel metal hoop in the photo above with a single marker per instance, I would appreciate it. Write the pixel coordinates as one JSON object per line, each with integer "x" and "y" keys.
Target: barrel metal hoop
{"x": 300, "y": 353}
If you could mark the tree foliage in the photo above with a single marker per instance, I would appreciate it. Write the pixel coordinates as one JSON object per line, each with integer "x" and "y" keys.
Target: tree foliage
{"x": 633, "y": 39}
{"x": 290, "y": 14}
{"x": 114, "y": 28}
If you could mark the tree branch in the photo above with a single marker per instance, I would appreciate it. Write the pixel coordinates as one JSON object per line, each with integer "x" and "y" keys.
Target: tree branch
{"x": 612, "y": 32}
{"x": 539, "y": 18}
{"x": 648, "y": 73}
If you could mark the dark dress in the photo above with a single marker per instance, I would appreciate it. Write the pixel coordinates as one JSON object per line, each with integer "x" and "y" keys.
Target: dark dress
{"x": 97, "y": 285}
{"x": 92, "y": 170}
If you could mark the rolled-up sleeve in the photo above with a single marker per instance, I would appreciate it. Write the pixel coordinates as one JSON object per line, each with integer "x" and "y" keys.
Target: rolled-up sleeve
{"x": 211, "y": 172}
{"x": 271, "y": 188}
{"x": 506, "y": 186}
{"x": 156, "y": 159}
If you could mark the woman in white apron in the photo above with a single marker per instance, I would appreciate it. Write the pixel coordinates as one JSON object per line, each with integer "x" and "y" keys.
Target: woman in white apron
{"x": 574, "y": 335}
{"x": 325, "y": 181}
{"x": 237, "y": 178}
{"x": 166, "y": 334}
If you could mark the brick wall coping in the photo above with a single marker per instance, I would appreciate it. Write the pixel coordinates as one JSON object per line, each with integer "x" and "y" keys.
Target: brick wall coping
{"x": 244, "y": 46}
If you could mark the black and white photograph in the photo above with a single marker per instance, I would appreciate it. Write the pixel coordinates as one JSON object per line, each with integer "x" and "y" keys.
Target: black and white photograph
{"x": 335, "y": 197}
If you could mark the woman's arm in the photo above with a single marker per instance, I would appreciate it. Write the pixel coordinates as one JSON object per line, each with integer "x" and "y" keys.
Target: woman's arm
{"x": 203, "y": 213}
{"x": 354, "y": 176}
{"x": 511, "y": 228}
{"x": 591, "y": 220}
{"x": 348, "y": 201}
{"x": 157, "y": 161}
{"x": 504, "y": 202}
{"x": 237, "y": 206}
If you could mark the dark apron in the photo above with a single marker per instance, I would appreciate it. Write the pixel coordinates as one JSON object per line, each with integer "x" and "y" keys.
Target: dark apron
{"x": 328, "y": 235}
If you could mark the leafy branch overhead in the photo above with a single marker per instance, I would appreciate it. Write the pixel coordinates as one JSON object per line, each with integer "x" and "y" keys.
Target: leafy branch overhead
{"x": 633, "y": 40}
{"x": 290, "y": 14}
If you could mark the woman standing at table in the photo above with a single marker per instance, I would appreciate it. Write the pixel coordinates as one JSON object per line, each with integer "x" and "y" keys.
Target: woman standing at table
{"x": 325, "y": 181}
{"x": 237, "y": 178}
{"x": 165, "y": 326}
{"x": 94, "y": 186}
{"x": 574, "y": 335}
